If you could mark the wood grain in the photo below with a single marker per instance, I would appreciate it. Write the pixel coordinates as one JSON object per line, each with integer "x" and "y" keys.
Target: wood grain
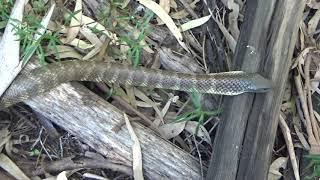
{"x": 91, "y": 119}
{"x": 245, "y": 138}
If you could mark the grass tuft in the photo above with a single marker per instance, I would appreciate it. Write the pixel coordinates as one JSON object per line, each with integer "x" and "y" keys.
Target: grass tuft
{"x": 197, "y": 114}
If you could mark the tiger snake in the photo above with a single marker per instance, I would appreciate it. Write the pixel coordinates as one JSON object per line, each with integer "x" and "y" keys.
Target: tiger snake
{"x": 39, "y": 80}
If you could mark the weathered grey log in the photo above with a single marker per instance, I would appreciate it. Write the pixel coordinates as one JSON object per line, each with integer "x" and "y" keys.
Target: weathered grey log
{"x": 91, "y": 119}
{"x": 245, "y": 138}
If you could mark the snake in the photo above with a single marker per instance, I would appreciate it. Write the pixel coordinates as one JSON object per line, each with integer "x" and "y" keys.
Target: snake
{"x": 41, "y": 79}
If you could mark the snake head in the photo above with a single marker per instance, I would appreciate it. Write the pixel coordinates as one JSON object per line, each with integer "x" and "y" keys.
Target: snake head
{"x": 259, "y": 84}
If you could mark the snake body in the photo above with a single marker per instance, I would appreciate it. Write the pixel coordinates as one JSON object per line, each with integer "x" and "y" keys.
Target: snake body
{"x": 42, "y": 79}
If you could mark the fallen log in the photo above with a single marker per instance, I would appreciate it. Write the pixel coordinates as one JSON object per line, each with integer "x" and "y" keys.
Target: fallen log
{"x": 92, "y": 119}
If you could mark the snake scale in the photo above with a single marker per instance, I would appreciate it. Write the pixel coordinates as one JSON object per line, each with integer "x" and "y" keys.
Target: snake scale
{"x": 41, "y": 79}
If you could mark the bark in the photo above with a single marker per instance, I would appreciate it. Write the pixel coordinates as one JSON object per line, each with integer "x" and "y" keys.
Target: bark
{"x": 92, "y": 119}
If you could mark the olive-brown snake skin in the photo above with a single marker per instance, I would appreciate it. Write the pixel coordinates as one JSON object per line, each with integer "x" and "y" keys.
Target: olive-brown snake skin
{"x": 42, "y": 79}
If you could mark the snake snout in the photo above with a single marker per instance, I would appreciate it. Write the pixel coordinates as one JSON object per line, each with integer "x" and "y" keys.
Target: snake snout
{"x": 260, "y": 84}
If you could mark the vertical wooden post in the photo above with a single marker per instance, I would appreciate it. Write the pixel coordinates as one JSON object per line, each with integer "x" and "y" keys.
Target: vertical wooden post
{"x": 245, "y": 138}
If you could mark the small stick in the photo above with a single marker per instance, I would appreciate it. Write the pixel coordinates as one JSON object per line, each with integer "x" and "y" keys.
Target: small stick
{"x": 287, "y": 136}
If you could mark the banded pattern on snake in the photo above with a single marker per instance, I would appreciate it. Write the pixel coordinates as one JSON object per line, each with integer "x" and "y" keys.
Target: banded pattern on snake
{"x": 42, "y": 79}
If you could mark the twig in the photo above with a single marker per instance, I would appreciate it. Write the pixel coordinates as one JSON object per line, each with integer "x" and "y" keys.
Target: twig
{"x": 199, "y": 154}
{"x": 189, "y": 9}
{"x": 287, "y": 136}
{"x": 69, "y": 163}
{"x": 309, "y": 96}
{"x": 145, "y": 119}
{"x": 304, "y": 105}
{"x": 136, "y": 151}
